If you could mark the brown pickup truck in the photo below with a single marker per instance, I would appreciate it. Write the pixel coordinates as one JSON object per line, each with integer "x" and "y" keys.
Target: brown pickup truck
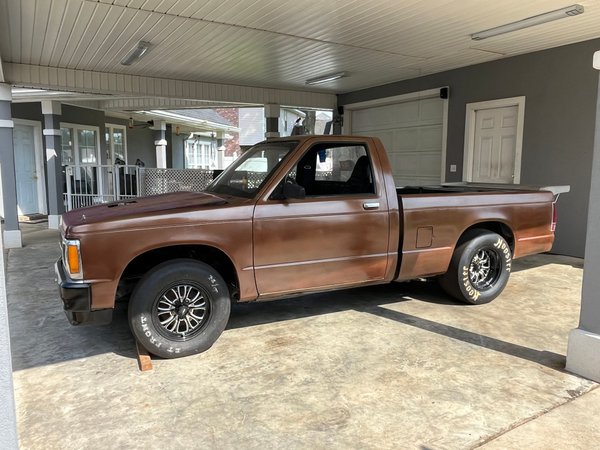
{"x": 290, "y": 216}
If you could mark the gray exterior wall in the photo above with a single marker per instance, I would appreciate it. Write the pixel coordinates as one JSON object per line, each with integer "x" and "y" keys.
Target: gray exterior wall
{"x": 178, "y": 150}
{"x": 140, "y": 144}
{"x": 252, "y": 125}
{"x": 70, "y": 114}
{"x": 560, "y": 113}
{"x": 28, "y": 111}
{"x": 140, "y": 140}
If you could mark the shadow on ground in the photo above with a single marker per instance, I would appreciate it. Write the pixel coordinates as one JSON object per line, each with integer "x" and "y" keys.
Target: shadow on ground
{"x": 41, "y": 334}
{"x": 59, "y": 342}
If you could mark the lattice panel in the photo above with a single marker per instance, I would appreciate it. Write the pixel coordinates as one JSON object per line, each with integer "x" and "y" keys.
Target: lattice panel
{"x": 162, "y": 181}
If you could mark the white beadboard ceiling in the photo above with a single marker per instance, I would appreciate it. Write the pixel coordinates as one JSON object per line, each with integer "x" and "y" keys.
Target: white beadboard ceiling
{"x": 279, "y": 43}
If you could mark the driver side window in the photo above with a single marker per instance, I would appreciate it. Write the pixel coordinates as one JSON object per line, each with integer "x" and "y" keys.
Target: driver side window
{"x": 334, "y": 169}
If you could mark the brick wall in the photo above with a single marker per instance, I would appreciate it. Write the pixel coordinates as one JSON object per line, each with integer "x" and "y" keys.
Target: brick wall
{"x": 232, "y": 146}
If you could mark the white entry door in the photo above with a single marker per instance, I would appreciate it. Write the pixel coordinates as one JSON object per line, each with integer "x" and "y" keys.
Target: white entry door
{"x": 493, "y": 141}
{"x": 495, "y": 145}
{"x": 26, "y": 169}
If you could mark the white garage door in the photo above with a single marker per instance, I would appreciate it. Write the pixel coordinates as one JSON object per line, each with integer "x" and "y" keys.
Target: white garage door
{"x": 412, "y": 133}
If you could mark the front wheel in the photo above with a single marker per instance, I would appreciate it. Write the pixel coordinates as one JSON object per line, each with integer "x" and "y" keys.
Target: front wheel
{"x": 179, "y": 308}
{"x": 479, "y": 268}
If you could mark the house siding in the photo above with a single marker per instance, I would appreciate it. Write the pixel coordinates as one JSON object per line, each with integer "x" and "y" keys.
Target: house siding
{"x": 560, "y": 87}
{"x": 140, "y": 142}
{"x": 252, "y": 126}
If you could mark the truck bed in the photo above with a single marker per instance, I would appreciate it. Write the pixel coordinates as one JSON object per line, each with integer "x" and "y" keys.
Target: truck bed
{"x": 434, "y": 216}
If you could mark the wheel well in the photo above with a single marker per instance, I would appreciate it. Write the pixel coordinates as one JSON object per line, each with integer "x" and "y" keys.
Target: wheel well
{"x": 495, "y": 227}
{"x": 206, "y": 254}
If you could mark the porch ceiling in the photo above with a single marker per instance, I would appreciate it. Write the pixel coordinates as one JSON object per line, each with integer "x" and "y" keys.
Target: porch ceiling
{"x": 277, "y": 43}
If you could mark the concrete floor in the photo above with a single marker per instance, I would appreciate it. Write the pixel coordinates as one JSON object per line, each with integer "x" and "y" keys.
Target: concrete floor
{"x": 396, "y": 366}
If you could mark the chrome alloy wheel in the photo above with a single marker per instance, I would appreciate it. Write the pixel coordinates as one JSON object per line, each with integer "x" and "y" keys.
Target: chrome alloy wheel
{"x": 181, "y": 311}
{"x": 484, "y": 269}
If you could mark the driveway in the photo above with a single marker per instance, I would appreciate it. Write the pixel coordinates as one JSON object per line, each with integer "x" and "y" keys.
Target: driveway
{"x": 395, "y": 366}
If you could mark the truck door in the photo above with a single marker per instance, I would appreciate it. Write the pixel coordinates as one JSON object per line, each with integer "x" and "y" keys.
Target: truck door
{"x": 337, "y": 235}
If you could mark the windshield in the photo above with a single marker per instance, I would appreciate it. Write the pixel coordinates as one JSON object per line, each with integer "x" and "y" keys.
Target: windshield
{"x": 246, "y": 175}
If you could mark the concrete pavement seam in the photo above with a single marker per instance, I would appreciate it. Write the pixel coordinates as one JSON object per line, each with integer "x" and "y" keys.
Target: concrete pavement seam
{"x": 531, "y": 418}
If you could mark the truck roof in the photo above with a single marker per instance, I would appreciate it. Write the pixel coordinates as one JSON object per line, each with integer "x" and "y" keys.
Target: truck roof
{"x": 320, "y": 137}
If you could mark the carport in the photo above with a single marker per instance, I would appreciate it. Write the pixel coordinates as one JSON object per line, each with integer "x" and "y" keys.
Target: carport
{"x": 416, "y": 74}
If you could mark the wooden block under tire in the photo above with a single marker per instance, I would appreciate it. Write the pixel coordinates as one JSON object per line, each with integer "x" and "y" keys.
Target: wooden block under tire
{"x": 143, "y": 358}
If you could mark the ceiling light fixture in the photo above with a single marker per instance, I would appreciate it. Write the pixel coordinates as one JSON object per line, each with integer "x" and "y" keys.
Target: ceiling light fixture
{"x": 562, "y": 13}
{"x": 326, "y": 78}
{"x": 136, "y": 53}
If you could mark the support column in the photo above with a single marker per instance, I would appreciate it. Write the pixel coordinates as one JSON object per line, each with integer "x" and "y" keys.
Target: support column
{"x": 12, "y": 233}
{"x": 310, "y": 120}
{"x": 272, "y": 120}
{"x": 8, "y": 420}
{"x": 161, "y": 146}
{"x": 338, "y": 120}
{"x": 52, "y": 112}
{"x": 583, "y": 354}
{"x": 220, "y": 150}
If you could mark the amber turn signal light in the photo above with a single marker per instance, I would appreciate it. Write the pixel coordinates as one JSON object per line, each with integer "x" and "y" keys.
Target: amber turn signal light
{"x": 73, "y": 259}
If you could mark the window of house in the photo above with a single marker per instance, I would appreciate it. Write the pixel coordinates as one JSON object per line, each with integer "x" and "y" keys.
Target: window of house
{"x": 200, "y": 154}
{"x": 335, "y": 169}
{"x": 116, "y": 141}
{"x": 80, "y": 144}
{"x": 68, "y": 158}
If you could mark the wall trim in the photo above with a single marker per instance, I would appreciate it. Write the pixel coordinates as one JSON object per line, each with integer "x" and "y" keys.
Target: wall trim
{"x": 469, "y": 148}
{"x": 1, "y": 71}
{"x": 87, "y": 81}
{"x": 6, "y": 123}
{"x": 51, "y": 107}
{"x": 5, "y": 92}
{"x": 417, "y": 95}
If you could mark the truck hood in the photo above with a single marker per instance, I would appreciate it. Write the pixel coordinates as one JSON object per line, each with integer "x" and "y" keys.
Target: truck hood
{"x": 140, "y": 207}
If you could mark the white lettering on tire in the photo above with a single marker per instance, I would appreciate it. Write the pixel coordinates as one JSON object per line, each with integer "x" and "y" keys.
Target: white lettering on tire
{"x": 148, "y": 333}
{"x": 505, "y": 249}
{"x": 213, "y": 284}
{"x": 471, "y": 291}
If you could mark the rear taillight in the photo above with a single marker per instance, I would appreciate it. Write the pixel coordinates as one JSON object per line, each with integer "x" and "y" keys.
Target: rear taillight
{"x": 554, "y": 217}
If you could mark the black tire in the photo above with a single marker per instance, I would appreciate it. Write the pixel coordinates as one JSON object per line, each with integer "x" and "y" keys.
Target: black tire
{"x": 479, "y": 268}
{"x": 179, "y": 308}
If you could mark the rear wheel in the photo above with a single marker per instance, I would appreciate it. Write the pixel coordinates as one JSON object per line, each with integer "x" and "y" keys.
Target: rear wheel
{"x": 479, "y": 268}
{"x": 179, "y": 308}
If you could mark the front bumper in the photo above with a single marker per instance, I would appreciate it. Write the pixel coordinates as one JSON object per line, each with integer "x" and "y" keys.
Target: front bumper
{"x": 77, "y": 300}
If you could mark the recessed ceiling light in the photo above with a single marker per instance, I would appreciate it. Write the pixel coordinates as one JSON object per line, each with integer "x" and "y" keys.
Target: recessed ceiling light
{"x": 562, "y": 13}
{"x": 326, "y": 78}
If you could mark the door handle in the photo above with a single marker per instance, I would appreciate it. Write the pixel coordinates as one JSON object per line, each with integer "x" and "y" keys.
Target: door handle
{"x": 371, "y": 205}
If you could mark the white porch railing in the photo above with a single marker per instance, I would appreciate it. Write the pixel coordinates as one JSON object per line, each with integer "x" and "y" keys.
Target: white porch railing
{"x": 88, "y": 185}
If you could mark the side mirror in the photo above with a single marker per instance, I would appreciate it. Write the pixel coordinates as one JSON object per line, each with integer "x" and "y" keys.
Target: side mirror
{"x": 293, "y": 190}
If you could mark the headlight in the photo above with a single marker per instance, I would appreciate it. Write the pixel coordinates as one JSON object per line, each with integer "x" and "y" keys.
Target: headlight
{"x": 72, "y": 258}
